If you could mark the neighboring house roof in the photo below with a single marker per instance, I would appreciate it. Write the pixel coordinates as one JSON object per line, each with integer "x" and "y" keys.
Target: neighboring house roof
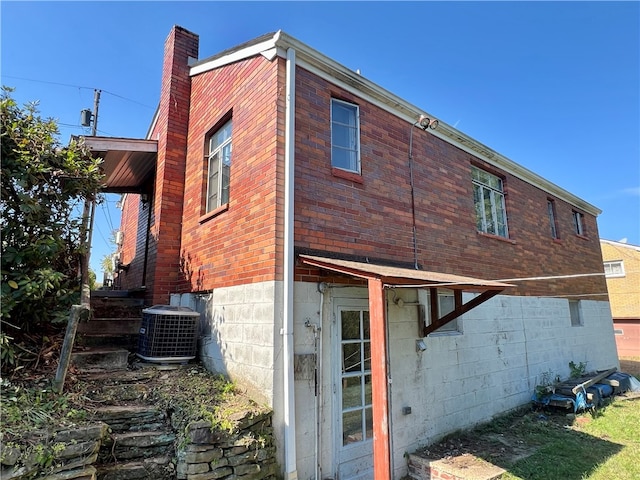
{"x": 621, "y": 244}
{"x": 276, "y": 44}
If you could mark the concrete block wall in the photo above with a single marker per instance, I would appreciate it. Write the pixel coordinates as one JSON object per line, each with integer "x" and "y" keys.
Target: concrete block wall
{"x": 239, "y": 334}
{"x": 505, "y": 348}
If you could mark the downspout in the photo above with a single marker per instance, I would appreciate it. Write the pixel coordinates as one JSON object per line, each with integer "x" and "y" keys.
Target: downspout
{"x": 287, "y": 321}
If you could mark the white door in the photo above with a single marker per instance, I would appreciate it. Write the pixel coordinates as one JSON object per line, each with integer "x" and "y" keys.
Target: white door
{"x": 352, "y": 388}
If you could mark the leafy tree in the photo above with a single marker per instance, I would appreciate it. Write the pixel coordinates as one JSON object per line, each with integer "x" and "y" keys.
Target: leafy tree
{"x": 44, "y": 185}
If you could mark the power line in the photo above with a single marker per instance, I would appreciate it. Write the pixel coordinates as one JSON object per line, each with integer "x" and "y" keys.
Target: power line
{"x": 78, "y": 86}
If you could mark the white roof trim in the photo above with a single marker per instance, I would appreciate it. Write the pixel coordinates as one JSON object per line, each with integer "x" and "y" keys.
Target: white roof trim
{"x": 330, "y": 70}
{"x": 236, "y": 56}
{"x": 621, "y": 244}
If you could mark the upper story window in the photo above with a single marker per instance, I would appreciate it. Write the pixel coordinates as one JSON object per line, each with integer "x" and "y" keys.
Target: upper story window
{"x": 578, "y": 223}
{"x": 488, "y": 198}
{"x": 219, "y": 165}
{"x": 614, "y": 269}
{"x": 345, "y": 136}
{"x": 551, "y": 211}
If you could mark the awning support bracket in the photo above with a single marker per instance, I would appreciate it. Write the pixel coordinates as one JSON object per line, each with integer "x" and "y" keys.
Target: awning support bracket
{"x": 460, "y": 308}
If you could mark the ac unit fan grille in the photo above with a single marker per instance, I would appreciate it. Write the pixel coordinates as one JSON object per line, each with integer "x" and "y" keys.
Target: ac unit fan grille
{"x": 164, "y": 336}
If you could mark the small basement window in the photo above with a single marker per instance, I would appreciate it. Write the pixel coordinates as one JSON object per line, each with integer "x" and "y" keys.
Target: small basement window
{"x": 574, "y": 312}
{"x": 446, "y": 304}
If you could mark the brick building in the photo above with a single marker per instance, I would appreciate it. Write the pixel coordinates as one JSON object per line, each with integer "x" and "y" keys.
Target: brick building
{"x": 379, "y": 278}
{"x": 622, "y": 270}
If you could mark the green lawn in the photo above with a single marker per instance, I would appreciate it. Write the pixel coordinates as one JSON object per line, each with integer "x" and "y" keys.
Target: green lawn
{"x": 604, "y": 446}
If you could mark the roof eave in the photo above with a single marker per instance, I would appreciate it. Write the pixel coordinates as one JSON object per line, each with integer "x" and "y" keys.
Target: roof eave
{"x": 318, "y": 63}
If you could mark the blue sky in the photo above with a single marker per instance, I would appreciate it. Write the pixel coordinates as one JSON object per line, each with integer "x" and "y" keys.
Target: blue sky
{"x": 554, "y": 86}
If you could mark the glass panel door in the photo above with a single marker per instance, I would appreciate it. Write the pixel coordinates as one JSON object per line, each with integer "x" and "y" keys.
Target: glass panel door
{"x": 353, "y": 392}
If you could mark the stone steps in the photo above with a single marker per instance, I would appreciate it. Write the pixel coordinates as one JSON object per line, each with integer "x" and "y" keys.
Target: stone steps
{"x": 134, "y": 446}
{"x": 158, "y": 468}
{"x": 127, "y": 418}
{"x": 115, "y": 320}
{"x": 140, "y": 445}
{"x": 101, "y": 359}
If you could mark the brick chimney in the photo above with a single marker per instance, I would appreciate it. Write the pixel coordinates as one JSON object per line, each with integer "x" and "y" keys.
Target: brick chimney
{"x": 170, "y": 129}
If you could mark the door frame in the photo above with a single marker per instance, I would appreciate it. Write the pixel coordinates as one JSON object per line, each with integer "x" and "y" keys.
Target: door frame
{"x": 360, "y": 303}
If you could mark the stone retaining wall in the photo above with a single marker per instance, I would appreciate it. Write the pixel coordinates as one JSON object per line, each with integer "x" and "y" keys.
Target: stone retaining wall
{"x": 61, "y": 455}
{"x": 246, "y": 454}
{"x": 205, "y": 453}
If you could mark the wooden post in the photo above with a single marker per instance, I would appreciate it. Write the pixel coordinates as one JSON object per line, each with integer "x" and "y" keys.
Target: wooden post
{"x": 381, "y": 456}
{"x": 77, "y": 312}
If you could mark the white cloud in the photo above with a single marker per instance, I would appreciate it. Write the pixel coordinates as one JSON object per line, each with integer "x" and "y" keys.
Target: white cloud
{"x": 634, "y": 191}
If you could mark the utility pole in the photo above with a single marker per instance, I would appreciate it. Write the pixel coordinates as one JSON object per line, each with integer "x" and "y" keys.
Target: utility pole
{"x": 80, "y": 312}
{"x": 96, "y": 104}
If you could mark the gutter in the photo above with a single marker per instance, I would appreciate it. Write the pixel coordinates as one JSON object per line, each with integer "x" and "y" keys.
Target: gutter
{"x": 287, "y": 321}
{"x": 330, "y": 70}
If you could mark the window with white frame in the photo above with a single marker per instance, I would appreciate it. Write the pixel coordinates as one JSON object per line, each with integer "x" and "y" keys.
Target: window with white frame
{"x": 614, "y": 269}
{"x": 345, "y": 136}
{"x": 488, "y": 198}
{"x": 551, "y": 211}
{"x": 578, "y": 223}
{"x": 219, "y": 166}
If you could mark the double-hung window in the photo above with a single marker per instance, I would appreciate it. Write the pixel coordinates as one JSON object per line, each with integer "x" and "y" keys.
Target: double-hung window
{"x": 551, "y": 211}
{"x": 345, "y": 136}
{"x": 488, "y": 198}
{"x": 578, "y": 223}
{"x": 219, "y": 165}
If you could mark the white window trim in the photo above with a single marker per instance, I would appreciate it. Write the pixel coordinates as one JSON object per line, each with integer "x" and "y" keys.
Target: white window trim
{"x": 578, "y": 223}
{"x": 492, "y": 198}
{"x": 610, "y": 264}
{"x": 454, "y": 327}
{"x": 358, "y": 168}
{"x": 210, "y": 156}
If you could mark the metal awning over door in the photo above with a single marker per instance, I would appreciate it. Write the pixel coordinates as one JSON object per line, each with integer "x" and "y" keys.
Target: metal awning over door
{"x": 378, "y": 278}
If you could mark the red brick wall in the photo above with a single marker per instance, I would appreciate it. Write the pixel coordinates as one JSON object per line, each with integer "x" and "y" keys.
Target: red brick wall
{"x": 628, "y": 340}
{"x": 373, "y": 217}
{"x": 241, "y": 243}
{"x": 368, "y": 218}
{"x": 134, "y": 225}
{"x": 163, "y": 266}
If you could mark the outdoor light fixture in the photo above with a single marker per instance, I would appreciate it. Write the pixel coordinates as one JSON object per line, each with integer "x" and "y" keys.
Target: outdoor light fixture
{"x": 426, "y": 122}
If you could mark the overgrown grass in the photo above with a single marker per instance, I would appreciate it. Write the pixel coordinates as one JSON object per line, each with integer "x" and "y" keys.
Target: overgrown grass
{"x": 604, "y": 446}
{"x": 28, "y": 408}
